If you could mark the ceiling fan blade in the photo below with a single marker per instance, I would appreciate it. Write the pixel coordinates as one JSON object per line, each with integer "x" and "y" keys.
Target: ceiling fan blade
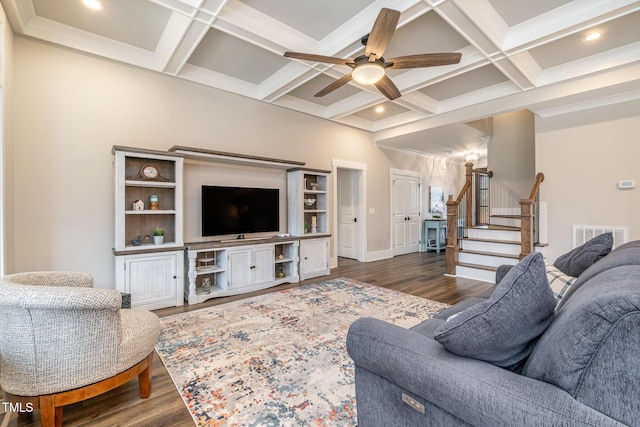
{"x": 388, "y": 89}
{"x": 335, "y": 85}
{"x": 317, "y": 58}
{"x": 424, "y": 60}
{"x": 382, "y": 32}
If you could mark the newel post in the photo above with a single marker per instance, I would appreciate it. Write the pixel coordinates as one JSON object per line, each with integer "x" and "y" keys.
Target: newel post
{"x": 526, "y": 227}
{"x": 469, "y": 193}
{"x": 451, "y": 250}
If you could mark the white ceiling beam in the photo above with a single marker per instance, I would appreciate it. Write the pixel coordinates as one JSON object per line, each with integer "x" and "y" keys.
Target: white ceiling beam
{"x": 604, "y": 101}
{"x": 611, "y": 59}
{"x": 65, "y": 35}
{"x": 566, "y": 19}
{"x": 459, "y": 14}
{"x": 188, "y": 44}
{"x": 220, "y": 81}
{"x": 172, "y": 39}
{"x": 516, "y": 101}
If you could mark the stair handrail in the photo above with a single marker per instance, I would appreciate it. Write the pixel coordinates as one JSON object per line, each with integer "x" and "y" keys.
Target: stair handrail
{"x": 465, "y": 187}
{"x": 528, "y": 220}
{"x": 536, "y": 186}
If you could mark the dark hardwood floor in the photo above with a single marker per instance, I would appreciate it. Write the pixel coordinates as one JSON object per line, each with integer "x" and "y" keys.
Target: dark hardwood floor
{"x": 420, "y": 274}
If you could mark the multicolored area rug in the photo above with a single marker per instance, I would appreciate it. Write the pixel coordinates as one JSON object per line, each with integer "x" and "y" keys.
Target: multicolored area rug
{"x": 278, "y": 359}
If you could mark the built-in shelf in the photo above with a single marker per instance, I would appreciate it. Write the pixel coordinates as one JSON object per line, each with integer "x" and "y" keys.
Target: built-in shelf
{"x": 150, "y": 184}
{"x": 151, "y": 212}
{"x": 224, "y": 157}
{"x": 151, "y": 273}
{"x": 307, "y": 201}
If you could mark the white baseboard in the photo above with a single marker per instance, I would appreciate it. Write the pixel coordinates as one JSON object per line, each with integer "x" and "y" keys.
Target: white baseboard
{"x": 378, "y": 255}
{"x": 369, "y": 257}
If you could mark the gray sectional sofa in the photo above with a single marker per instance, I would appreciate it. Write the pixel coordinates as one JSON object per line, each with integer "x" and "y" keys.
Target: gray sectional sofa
{"x": 583, "y": 370}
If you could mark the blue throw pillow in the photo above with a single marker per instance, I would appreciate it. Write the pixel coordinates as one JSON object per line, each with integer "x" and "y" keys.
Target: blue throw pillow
{"x": 504, "y": 329}
{"x": 575, "y": 262}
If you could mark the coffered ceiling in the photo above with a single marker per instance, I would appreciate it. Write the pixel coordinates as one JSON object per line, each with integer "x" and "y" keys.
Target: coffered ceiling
{"x": 515, "y": 54}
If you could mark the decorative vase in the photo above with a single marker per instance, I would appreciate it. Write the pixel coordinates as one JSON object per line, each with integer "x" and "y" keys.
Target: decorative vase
{"x": 158, "y": 240}
{"x": 154, "y": 203}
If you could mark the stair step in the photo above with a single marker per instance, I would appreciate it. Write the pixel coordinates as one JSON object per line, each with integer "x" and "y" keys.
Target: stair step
{"x": 495, "y": 254}
{"x": 504, "y": 227}
{"x": 506, "y": 216}
{"x": 506, "y": 242}
{"x": 477, "y": 266}
{"x": 493, "y": 227}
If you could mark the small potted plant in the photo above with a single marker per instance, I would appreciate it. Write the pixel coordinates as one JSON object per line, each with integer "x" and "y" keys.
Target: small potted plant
{"x": 158, "y": 236}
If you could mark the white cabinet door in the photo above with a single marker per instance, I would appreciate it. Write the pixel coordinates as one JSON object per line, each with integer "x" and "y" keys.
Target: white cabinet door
{"x": 153, "y": 280}
{"x": 314, "y": 258}
{"x": 239, "y": 268}
{"x": 263, "y": 264}
{"x": 251, "y": 266}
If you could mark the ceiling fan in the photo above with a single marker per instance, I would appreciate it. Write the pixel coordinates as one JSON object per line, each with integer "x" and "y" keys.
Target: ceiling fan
{"x": 370, "y": 67}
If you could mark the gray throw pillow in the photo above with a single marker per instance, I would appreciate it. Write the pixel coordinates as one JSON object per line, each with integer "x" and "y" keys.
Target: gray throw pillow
{"x": 576, "y": 261}
{"x": 504, "y": 329}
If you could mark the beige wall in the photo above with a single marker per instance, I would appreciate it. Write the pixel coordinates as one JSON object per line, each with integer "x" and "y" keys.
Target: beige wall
{"x": 583, "y": 156}
{"x": 435, "y": 173}
{"x": 511, "y": 157}
{"x": 6, "y": 144}
{"x": 71, "y": 108}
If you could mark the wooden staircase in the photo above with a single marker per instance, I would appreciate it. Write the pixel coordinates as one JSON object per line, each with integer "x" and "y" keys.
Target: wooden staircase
{"x": 476, "y": 252}
{"x": 485, "y": 249}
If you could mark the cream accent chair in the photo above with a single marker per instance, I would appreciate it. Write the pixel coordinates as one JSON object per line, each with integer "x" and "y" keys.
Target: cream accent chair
{"x": 63, "y": 341}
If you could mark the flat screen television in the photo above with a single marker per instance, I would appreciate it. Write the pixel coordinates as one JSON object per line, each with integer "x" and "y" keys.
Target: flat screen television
{"x": 231, "y": 210}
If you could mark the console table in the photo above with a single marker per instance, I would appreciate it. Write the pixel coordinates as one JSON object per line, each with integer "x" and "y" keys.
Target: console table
{"x": 436, "y": 240}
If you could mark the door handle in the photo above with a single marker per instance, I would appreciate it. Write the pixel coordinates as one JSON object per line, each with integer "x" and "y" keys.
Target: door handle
{"x": 355, "y": 219}
{"x": 253, "y": 266}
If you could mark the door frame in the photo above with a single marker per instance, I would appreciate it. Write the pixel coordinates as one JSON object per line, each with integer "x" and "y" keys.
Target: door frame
{"x": 361, "y": 227}
{"x": 414, "y": 174}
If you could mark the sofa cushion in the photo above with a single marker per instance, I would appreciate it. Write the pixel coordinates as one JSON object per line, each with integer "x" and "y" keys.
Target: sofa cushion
{"x": 504, "y": 328}
{"x": 427, "y": 327}
{"x": 626, "y": 254}
{"x": 458, "y": 307}
{"x": 558, "y": 281}
{"x": 576, "y": 261}
{"x": 592, "y": 348}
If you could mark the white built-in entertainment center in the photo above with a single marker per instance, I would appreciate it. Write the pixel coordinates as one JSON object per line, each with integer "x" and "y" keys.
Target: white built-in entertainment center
{"x": 151, "y": 193}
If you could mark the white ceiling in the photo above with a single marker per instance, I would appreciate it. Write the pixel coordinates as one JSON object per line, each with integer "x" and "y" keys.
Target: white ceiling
{"x": 515, "y": 55}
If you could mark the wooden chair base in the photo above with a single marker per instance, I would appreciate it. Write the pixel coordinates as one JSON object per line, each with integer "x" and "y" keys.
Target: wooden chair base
{"x": 50, "y": 405}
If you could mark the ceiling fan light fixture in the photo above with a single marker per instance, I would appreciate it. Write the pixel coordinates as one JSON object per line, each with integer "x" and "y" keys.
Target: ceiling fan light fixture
{"x": 368, "y": 73}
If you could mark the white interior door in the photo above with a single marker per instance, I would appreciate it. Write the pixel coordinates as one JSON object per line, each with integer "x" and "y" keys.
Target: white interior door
{"x": 348, "y": 208}
{"x": 405, "y": 211}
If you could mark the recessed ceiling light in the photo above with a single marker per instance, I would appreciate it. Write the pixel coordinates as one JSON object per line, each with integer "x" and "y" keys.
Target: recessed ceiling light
{"x": 592, "y": 37}
{"x": 92, "y": 4}
{"x": 379, "y": 109}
